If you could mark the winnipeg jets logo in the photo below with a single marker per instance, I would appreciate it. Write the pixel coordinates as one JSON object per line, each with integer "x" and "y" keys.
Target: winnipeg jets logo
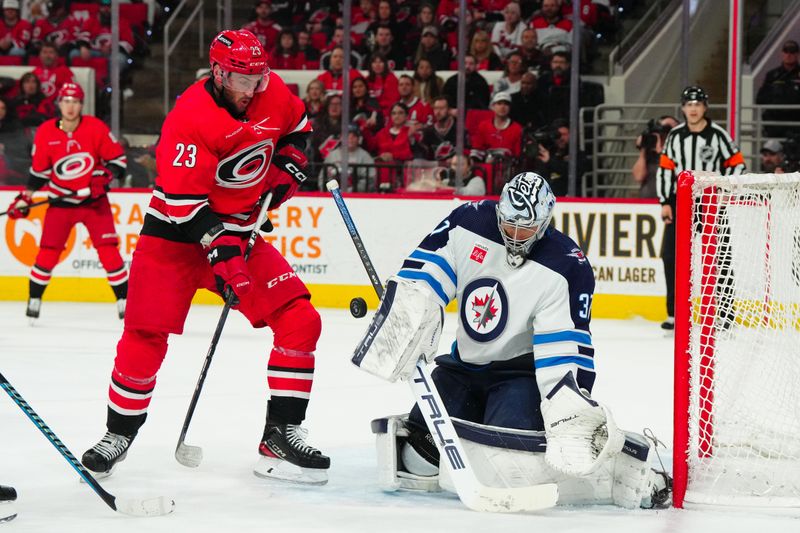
{"x": 73, "y": 166}
{"x": 577, "y": 253}
{"x": 484, "y": 309}
{"x": 706, "y": 154}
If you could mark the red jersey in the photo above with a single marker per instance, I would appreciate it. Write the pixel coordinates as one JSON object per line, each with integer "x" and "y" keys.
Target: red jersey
{"x": 94, "y": 32}
{"x": 61, "y": 33}
{"x": 66, "y": 159}
{"x": 384, "y": 90}
{"x": 506, "y": 140}
{"x": 52, "y": 79}
{"x": 266, "y": 33}
{"x": 20, "y": 32}
{"x": 419, "y": 112}
{"x": 333, "y": 83}
{"x": 396, "y": 143}
{"x": 213, "y": 167}
{"x": 548, "y": 33}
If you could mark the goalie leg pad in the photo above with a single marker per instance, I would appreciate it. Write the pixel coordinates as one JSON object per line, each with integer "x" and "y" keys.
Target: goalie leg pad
{"x": 406, "y": 326}
{"x": 391, "y": 436}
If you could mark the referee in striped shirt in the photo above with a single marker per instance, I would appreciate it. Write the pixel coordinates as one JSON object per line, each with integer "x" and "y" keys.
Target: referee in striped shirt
{"x": 696, "y": 144}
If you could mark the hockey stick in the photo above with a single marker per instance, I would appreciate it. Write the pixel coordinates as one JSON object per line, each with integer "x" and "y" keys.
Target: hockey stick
{"x": 470, "y": 490}
{"x": 186, "y": 454}
{"x": 150, "y": 507}
{"x": 42, "y": 202}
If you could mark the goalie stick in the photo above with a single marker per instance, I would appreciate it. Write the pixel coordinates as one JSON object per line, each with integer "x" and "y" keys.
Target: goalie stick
{"x": 471, "y": 491}
{"x": 150, "y": 507}
{"x": 186, "y": 454}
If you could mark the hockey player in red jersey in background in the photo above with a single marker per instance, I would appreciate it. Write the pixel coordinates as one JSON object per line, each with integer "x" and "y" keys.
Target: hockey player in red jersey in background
{"x": 76, "y": 156}
{"x": 230, "y": 139}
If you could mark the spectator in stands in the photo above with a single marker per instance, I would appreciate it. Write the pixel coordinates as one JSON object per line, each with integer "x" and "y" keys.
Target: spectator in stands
{"x": 433, "y": 50}
{"x": 59, "y": 28}
{"x": 396, "y": 142}
{"x": 308, "y": 53}
{"x": 498, "y": 137}
{"x": 481, "y": 49}
{"x": 512, "y": 75}
{"x": 15, "y": 33}
{"x": 365, "y": 111}
{"x": 382, "y": 83}
{"x": 554, "y": 86}
{"x": 15, "y": 150}
{"x": 315, "y": 98}
{"x": 425, "y": 17}
{"x": 782, "y": 87}
{"x": 30, "y": 106}
{"x": 51, "y": 75}
{"x": 527, "y": 105}
{"x": 439, "y": 140}
{"x": 476, "y": 88}
{"x": 95, "y": 38}
{"x": 771, "y": 156}
{"x": 337, "y": 41}
{"x": 552, "y": 161}
{"x": 418, "y": 111}
{"x": 285, "y": 54}
{"x": 398, "y": 29}
{"x": 327, "y": 129}
{"x": 359, "y": 178}
{"x": 428, "y": 84}
{"x": 384, "y": 44}
{"x": 650, "y": 144}
{"x": 332, "y": 78}
{"x": 534, "y": 58}
{"x": 264, "y": 27}
{"x": 140, "y": 171}
{"x": 551, "y": 27}
{"x": 507, "y": 37}
{"x": 474, "y": 182}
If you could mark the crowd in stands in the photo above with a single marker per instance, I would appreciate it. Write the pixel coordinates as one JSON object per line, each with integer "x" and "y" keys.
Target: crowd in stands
{"x": 50, "y": 37}
{"x": 404, "y": 118}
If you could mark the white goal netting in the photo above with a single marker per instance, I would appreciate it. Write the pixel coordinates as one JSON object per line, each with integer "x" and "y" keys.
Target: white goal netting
{"x": 744, "y": 341}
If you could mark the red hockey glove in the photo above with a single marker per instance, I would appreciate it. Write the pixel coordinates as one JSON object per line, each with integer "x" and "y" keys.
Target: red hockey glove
{"x": 19, "y": 205}
{"x": 99, "y": 182}
{"x": 291, "y": 162}
{"x": 230, "y": 269}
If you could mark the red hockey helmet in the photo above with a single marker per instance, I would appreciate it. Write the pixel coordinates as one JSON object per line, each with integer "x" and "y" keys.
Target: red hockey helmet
{"x": 242, "y": 59}
{"x": 71, "y": 90}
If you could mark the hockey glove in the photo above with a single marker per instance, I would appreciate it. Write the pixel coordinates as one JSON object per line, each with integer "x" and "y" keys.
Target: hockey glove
{"x": 581, "y": 433}
{"x": 19, "y": 205}
{"x": 229, "y": 267}
{"x": 290, "y": 162}
{"x": 99, "y": 182}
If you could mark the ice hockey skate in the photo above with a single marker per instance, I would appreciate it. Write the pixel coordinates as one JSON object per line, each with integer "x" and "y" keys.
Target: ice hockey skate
{"x": 285, "y": 455}
{"x": 7, "y": 498}
{"x": 103, "y": 457}
{"x": 33, "y": 309}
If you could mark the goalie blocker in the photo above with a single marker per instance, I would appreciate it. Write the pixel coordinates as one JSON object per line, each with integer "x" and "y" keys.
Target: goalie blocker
{"x": 510, "y": 458}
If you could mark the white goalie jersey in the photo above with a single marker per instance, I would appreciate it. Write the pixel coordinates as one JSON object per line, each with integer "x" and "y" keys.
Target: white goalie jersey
{"x": 542, "y": 307}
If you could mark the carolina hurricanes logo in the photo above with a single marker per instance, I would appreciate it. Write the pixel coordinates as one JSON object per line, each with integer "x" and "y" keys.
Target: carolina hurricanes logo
{"x": 73, "y": 166}
{"x": 444, "y": 151}
{"x": 245, "y": 168}
{"x": 49, "y": 85}
{"x": 484, "y": 309}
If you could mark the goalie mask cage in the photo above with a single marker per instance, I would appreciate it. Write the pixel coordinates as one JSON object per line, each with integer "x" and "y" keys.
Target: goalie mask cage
{"x": 737, "y": 341}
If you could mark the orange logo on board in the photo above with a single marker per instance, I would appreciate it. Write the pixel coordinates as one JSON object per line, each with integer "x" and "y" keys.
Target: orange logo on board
{"x": 23, "y": 236}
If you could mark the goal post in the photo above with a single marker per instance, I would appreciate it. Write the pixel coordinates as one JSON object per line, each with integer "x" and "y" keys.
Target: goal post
{"x": 737, "y": 341}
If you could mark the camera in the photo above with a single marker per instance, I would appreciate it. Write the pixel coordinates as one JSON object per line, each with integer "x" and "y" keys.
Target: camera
{"x": 652, "y": 131}
{"x": 545, "y": 136}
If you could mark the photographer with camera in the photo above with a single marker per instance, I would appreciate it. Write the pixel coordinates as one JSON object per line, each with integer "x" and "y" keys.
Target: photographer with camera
{"x": 650, "y": 143}
{"x": 547, "y": 151}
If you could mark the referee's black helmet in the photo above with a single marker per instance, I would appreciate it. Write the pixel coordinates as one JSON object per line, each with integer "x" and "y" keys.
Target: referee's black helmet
{"x": 694, "y": 93}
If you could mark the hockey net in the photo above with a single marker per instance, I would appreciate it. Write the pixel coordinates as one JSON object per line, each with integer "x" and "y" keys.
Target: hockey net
{"x": 737, "y": 341}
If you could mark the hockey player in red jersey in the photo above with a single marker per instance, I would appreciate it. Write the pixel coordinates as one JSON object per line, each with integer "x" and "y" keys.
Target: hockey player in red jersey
{"x": 230, "y": 139}
{"x": 76, "y": 156}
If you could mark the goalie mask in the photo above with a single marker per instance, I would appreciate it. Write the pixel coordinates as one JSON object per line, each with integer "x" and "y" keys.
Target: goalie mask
{"x": 523, "y": 214}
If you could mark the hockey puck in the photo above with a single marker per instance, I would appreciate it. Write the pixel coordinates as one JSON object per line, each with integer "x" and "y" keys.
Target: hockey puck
{"x": 358, "y": 307}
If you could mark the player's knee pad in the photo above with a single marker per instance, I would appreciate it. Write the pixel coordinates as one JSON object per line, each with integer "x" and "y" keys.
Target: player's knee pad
{"x": 392, "y": 437}
{"x": 140, "y": 354}
{"x": 109, "y": 256}
{"x": 296, "y": 326}
{"x": 47, "y": 258}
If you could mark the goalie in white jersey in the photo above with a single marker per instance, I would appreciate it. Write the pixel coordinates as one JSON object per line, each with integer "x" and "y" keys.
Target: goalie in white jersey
{"x": 518, "y": 378}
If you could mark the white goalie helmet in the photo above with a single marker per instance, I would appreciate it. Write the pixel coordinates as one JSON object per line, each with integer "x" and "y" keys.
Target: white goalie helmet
{"x": 523, "y": 214}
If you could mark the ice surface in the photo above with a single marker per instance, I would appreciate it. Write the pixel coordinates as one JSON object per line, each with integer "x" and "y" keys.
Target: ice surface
{"x": 61, "y": 367}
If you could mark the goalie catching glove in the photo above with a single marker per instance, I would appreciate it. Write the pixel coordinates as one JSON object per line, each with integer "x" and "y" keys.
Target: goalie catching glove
{"x": 406, "y": 326}
{"x": 581, "y": 433}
